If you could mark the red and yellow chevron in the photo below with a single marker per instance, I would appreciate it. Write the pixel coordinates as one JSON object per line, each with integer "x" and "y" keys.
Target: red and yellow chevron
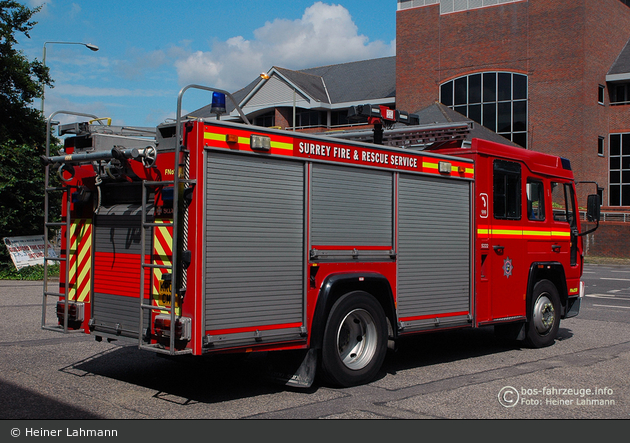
{"x": 162, "y": 254}
{"x": 80, "y": 264}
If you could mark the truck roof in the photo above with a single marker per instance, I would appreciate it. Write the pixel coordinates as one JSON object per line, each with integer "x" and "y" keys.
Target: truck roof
{"x": 538, "y": 162}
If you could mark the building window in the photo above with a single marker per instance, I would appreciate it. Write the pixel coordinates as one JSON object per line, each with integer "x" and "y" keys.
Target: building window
{"x": 619, "y": 170}
{"x": 619, "y": 93}
{"x": 309, "y": 119}
{"x": 600, "y": 146}
{"x": 449, "y": 6}
{"x": 600, "y": 94}
{"x": 497, "y": 100}
{"x": 266, "y": 120}
{"x": 339, "y": 118}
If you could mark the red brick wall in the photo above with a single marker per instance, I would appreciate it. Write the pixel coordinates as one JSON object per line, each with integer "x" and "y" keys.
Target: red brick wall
{"x": 283, "y": 117}
{"x": 610, "y": 240}
{"x": 565, "y": 47}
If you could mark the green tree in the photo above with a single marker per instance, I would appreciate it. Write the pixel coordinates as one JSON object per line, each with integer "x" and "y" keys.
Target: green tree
{"x": 22, "y": 129}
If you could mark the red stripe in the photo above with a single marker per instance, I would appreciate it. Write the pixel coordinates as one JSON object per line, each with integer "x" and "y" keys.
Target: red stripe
{"x": 119, "y": 274}
{"x": 254, "y": 328}
{"x": 430, "y": 316}
{"x": 346, "y": 247}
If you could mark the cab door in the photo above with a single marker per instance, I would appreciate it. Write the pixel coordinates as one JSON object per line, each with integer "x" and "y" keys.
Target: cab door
{"x": 508, "y": 264}
{"x": 564, "y": 230}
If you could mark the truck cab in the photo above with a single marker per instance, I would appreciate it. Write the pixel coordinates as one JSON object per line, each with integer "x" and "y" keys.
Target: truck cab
{"x": 528, "y": 248}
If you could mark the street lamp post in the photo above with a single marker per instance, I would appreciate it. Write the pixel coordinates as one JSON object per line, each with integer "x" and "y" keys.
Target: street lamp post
{"x": 90, "y": 46}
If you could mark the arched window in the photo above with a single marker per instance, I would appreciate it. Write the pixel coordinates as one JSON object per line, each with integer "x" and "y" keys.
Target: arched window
{"x": 497, "y": 100}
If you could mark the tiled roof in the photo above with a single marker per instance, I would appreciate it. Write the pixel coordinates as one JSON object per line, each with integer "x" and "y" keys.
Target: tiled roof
{"x": 353, "y": 82}
{"x": 439, "y": 113}
{"x": 621, "y": 66}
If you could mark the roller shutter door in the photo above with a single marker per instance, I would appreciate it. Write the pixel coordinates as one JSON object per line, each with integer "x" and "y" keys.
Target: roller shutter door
{"x": 434, "y": 265}
{"x": 254, "y": 247}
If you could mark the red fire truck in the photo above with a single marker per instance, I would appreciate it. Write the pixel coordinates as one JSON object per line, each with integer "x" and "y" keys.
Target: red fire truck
{"x": 205, "y": 236}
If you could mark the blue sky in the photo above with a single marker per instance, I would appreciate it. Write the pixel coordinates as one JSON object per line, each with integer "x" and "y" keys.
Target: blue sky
{"x": 149, "y": 50}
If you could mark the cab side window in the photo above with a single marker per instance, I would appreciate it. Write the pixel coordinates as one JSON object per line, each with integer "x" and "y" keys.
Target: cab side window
{"x": 507, "y": 190}
{"x": 535, "y": 200}
{"x": 559, "y": 202}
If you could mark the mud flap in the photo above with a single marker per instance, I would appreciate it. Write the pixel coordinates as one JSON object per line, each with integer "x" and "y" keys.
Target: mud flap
{"x": 573, "y": 307}
{"x": 292, "y": 368}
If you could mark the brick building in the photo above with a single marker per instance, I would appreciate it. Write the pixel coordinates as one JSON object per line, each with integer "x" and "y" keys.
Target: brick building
{"x": 551, "y": 75}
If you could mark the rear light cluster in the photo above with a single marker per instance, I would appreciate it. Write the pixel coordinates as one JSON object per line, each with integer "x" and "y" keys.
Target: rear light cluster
{"x": 162, "y": 327}
{"x": 76, "y": 311}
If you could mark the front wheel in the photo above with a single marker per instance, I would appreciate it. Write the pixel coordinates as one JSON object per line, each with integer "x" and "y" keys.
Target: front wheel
{"x": 544, "y": 315}
{"x": 355, "y": 340}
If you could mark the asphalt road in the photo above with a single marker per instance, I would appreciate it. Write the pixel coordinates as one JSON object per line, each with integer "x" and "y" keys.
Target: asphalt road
{"x": 466, "y": 374}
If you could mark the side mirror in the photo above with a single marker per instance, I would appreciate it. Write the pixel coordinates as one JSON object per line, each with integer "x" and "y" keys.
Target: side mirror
{"x": 593, "y": 208}
{"x": 592, "y": 212}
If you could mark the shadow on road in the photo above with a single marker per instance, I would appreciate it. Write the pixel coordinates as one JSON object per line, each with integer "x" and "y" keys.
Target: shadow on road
{"x": 23, "y": 404}
{"x": 217, "y": 378}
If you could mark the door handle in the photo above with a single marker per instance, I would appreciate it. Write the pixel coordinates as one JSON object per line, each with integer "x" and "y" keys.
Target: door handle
{"x": 556, "y": 248}
{"x": 498, "y": 249}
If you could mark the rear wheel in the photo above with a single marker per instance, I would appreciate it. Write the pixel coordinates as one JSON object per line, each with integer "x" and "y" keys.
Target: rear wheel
{"x": 544, "y": 315}
{"x": 355, "y": 340}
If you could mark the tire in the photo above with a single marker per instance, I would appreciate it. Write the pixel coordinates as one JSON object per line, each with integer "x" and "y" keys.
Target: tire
{"x": 544, "y": 315}
{"x": 355, "y": 340}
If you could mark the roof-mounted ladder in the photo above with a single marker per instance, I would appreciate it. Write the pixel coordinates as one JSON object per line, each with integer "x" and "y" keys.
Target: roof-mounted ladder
{"x": 411, "y": 137}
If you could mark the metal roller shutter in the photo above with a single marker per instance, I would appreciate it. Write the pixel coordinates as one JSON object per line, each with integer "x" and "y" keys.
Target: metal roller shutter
{"x": 117, "y": 242}
{"x": 351, "y": 206}
{"x": 433, "y": 246}
{"x": 254, "y": 243}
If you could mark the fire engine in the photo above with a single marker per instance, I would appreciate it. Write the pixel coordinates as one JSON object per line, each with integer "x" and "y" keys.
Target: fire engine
{"x": 204, "y": 236}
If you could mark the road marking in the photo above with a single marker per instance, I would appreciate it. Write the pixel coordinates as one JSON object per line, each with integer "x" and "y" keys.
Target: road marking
{"x": 612, "y": 306}
{"x": 615, "y": 279}
{"x": 610, "y": 296}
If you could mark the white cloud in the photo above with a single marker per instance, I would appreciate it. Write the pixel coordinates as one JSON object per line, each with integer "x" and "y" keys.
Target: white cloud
{"x": 87, "y": 91}
{"x": 326, "y": 34}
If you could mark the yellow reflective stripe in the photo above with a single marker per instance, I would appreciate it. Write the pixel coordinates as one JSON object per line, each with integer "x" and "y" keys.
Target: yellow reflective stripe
{"x": 429, "y": 165}
{"x": 281, "y": 145}
{"x": 537, "y": 233}
{"x": 213, "y": 136}
{"x": 246, "y": 141}
{"x": 526, "y": 233}
{"x": 560, "y": 234}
